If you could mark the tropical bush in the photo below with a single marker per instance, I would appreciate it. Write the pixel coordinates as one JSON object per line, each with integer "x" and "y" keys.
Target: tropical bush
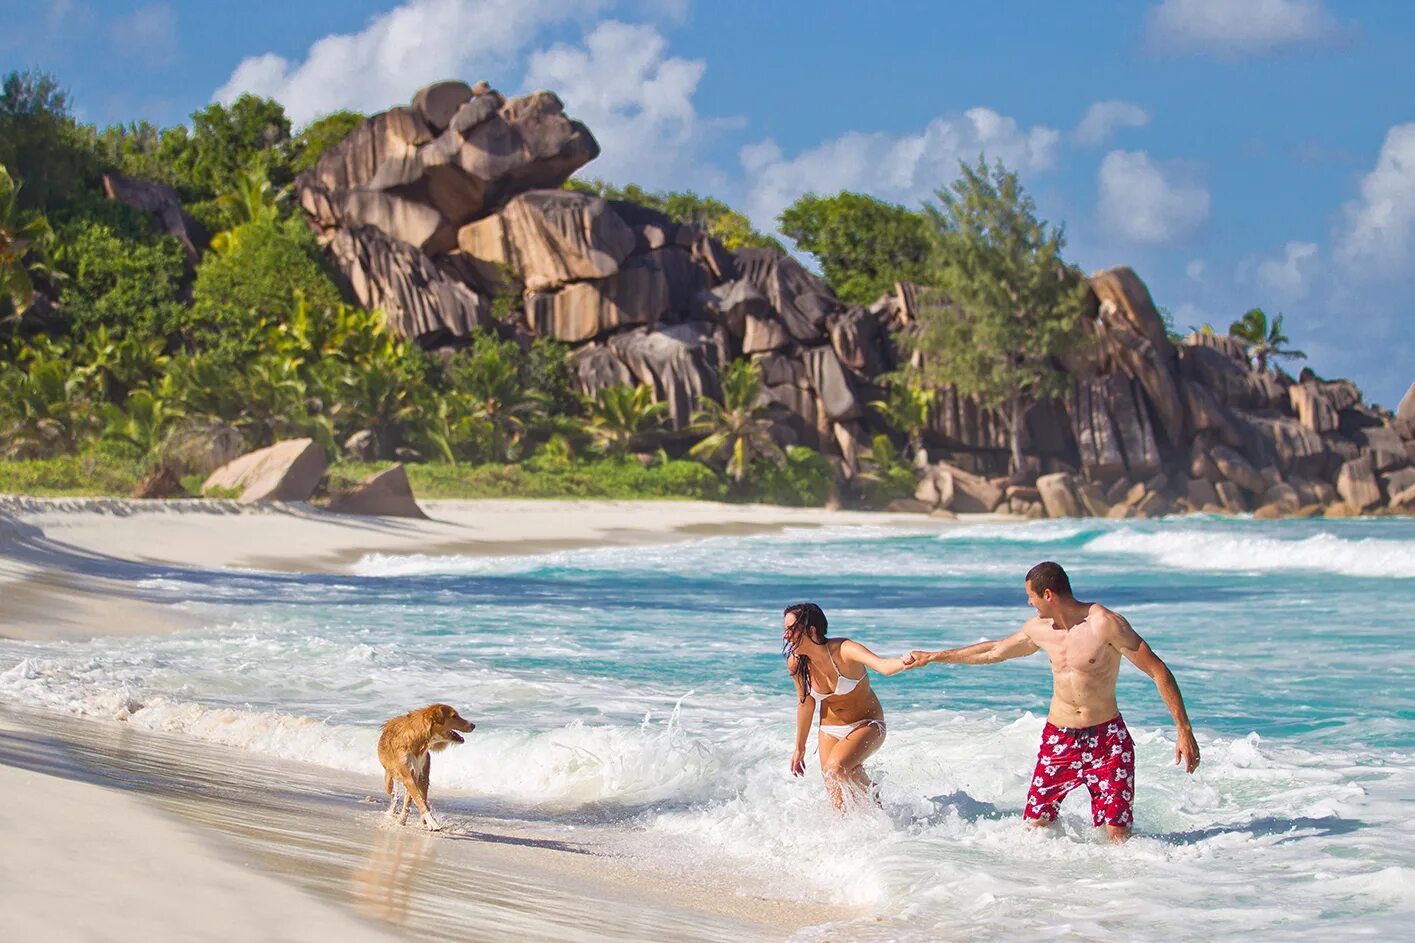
{"x": 805, "y": 479}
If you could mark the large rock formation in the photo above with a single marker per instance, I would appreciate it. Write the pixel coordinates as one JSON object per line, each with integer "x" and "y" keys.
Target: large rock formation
{"x": 432, "y": 210}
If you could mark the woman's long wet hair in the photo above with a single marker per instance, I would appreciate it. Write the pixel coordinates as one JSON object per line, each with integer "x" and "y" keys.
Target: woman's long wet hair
{"x": 811, "y": 620}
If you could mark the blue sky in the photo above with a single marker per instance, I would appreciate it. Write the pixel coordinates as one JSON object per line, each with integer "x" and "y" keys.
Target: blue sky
{"x": 1234, "y": 152}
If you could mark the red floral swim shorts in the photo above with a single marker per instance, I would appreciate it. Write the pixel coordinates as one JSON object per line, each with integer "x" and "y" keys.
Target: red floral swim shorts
{"x": 1102, "y": 758}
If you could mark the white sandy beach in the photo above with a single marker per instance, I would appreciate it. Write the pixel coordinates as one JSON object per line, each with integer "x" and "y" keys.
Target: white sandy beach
{"x": 93, "y": 850}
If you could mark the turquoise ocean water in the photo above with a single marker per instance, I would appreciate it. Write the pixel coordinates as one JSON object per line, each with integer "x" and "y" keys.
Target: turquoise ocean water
{"x": 639, "y": 694}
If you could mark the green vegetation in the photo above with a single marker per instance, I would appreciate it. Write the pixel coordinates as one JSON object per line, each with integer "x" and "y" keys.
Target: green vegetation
{"x": 1264, "y": 340}
{"x": 719, "y": 220}
{"x": 24, "y": 238}
{"x": 864, "y": 245}
{"x": 1010, "y": 306}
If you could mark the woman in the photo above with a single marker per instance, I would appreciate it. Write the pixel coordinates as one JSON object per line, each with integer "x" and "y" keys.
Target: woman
{"x": 832, "y": 673}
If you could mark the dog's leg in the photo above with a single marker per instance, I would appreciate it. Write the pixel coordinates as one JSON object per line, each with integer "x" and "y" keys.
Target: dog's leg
{"x": 392, "y": 793}
{"x": 410, "y": 782}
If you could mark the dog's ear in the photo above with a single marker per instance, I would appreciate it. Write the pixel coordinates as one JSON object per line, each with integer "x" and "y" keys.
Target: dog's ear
{"x": 445, "y": 713}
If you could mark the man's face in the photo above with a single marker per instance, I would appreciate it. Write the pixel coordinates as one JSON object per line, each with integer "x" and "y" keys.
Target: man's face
{"x": 1043, "y": 603}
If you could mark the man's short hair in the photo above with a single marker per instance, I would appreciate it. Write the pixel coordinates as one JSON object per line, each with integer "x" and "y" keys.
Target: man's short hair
{"x": 1049, "y": 576}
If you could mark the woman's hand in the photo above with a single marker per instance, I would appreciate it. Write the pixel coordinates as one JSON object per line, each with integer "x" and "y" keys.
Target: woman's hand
{"x": 798, "y": 763}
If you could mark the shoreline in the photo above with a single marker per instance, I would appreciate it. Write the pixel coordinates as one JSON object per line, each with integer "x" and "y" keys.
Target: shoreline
{"x": 80, "y": 568}
{"x": 312, "y": 845}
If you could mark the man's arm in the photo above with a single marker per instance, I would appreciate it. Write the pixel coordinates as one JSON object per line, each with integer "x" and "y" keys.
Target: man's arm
{"x": 983, "y": 653}
{"x": 1137, "y": 650}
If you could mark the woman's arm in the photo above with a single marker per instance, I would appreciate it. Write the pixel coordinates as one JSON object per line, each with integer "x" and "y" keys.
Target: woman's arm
{"x": 853, "y": 651}
{"x": 805, "y": 710}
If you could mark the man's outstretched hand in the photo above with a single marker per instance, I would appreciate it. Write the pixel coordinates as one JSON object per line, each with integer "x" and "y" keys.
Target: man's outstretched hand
{"x": 916, "y": 659}
{"x": 1186, "y": 751}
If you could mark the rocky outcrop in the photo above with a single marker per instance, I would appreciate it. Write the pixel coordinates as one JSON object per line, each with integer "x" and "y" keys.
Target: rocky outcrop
{"x": 422, "y": 301}
{"x": 1357, "y": 485}
{"x": 1058, "y": 495}
{"x": 418, "y": 174}
{"x": 383, "y": 494}
{"x": 165, "y": 207}
{"x": 286, "y": 471}
{"x": 432, "y": 210}
{"x": 551, "y": 237}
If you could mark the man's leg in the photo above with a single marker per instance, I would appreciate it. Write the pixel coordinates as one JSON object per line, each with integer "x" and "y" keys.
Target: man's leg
{"x": 1058, "y": 771}
{"x": 1110, "y": 777}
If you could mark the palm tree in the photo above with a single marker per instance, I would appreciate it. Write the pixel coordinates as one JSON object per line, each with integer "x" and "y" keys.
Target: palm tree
{"x": 44, "y": 409}
{"x": 488, "y": 377}
{"x": 908, "y": 409}
{"x": 620, "y": 414}
{"x": 255, "y": 200}
{"x": 738, "y": 427}
{"x": 142, "y": 420}
{"x": 1263, "y": 340}
{"x": 18, "y": 240}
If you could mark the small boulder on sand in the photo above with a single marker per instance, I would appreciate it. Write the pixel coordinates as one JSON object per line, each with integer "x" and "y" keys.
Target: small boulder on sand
{"x": 285, "y": 471}
{"x": 384, "y": 494}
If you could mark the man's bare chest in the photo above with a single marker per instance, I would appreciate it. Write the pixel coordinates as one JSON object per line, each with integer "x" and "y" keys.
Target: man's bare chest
{"x": 1079, "y": 650}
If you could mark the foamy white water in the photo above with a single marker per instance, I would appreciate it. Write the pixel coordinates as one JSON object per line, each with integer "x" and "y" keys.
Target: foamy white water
{"x": 639, "y": 692}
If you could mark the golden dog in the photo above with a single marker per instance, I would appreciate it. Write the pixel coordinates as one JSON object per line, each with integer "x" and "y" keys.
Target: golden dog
{"x": 405, "y": 749}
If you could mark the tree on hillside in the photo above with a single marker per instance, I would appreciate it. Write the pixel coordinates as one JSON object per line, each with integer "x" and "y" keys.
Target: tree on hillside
{"x": 41, "y": 143}
{"x": 320, "y": 135}
{"x": 1011, "y": 304}
{"x": 1264, "y": 340}
{"x": 864, "y": 245}
{"x": 226, "y": 140}
{"x": 142, "y": 149}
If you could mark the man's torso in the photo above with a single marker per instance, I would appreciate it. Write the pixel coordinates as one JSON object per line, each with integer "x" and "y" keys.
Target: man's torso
{"x": 1084, "y": 666}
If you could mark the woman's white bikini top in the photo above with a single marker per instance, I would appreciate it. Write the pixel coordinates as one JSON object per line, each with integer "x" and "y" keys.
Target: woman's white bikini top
{"x": 843, "y": 685}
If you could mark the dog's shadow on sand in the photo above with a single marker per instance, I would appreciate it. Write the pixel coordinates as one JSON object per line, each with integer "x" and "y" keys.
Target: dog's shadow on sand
{"x": 458, "y": 833}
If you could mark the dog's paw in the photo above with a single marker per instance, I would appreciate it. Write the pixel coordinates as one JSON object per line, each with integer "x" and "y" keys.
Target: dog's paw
{"x": 431, "y": 823}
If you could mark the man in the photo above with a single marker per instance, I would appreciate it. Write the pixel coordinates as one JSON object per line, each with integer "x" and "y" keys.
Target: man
{"x": 1085, "y": 740}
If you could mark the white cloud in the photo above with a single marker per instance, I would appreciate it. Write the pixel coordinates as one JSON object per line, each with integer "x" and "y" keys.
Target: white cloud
{"x": 418, "y": 42}
{"x": 903, "y": 168}
{"x": 1141, "y": 203}
{"x": 1288, "y": 277}
{"x": 1236, "y": 28}
{"x": 1195, "y": 270}
{"x": 1379, "y": 226}
{"x": 1104, "y": 118}
{"x": 637, "y": 100}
